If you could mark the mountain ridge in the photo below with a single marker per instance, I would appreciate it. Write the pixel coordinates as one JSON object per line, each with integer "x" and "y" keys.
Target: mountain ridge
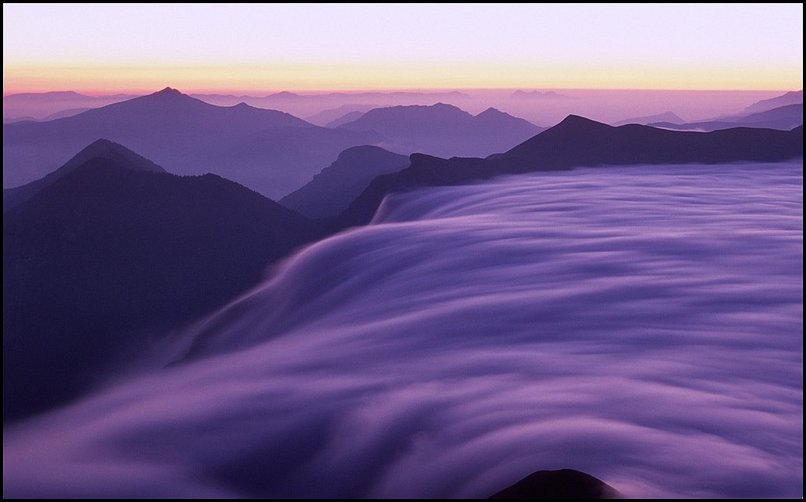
{"x": 120, "y": 255}
{"x": 581, "y": 142}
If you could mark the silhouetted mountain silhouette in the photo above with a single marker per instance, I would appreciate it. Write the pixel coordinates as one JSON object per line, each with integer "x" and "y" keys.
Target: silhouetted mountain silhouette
{"x": 345, "y": 119}
{"x": 576, "y": 142}
{"x": 110, "y": 151}
{"x": 783, "y": 118}
{"x": 669, "y": 117}
{"x": 305, "y": 105}
{"x": 443, "y": 129}
{"x": 112, "y": 250}
{"x": 790, "y": 98}
{"x": 41, "y": 105}
{"x": 267, "y": 150}
{"x": 564, "y": 484}
{"x": 332, "y": 190}
{"x": 328, "y": 116}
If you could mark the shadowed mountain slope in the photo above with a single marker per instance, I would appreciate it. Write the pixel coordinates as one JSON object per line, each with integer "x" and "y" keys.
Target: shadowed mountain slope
{"x": 113, "y": 153}
{"x": 332, "y": 190}
{"x": 111, "y": 254}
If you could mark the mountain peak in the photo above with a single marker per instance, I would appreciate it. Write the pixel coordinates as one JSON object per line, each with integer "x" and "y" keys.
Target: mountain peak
{"x": 491, "y": 112}
{"x": 111, "y": 151}
{"x": 103, "y": 151}
{"x": 168, "y": 91}
{"x": 576, "y": 123}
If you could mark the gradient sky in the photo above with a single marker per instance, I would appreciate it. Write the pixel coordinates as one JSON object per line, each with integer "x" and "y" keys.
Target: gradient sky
{"x": 251, "y": 47}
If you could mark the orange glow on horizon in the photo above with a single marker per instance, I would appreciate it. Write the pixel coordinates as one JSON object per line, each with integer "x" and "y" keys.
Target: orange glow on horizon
{"x": 267, "y": 78}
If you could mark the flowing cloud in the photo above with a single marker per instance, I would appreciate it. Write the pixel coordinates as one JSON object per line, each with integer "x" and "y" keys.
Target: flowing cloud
{"x": 640, "y": 324}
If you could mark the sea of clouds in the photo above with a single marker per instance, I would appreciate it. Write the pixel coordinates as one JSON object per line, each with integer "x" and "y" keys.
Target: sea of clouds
{"x": 642, "y": 324}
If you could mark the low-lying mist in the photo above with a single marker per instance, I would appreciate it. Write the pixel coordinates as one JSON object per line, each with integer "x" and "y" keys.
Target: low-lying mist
{"x": 640, "y": 324}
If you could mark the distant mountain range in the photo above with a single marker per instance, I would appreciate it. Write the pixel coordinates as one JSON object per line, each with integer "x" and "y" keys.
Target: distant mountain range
{"x": 110, "y": 251}
{"x": 332, "y": 190}
{"x": 668, "y": 117}
{"x": 443, "y": 130}
{"x": 781, "y": 112}
{"x": 577, "y": 142}
{"x": 790, "y": 98}
{"x": 333, "y": 117}
{"x": 305, "y": 105}
{"x": 783, "y": 118}
{"x": 346, "y": 118}
{"x": 44, "y": 105}
{"x": 267, "y": 150}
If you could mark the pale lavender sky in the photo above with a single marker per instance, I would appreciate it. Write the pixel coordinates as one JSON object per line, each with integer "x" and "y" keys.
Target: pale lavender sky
{"x": 351, "y": 46}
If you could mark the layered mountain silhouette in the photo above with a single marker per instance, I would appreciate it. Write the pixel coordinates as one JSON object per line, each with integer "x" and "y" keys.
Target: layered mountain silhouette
{"x": 668, "y": 117}
{"x": 42, "y": 105}
{"x": 563, "y": 484}
{"x": 267, "y": 150}
{"x": 783, "y": 118}
{"x": 334, "y": 117}
{"x": 577, "y": 142}
{"x": 110, "y": 251}
{"x": 305, "y": 105}
{"x": 109, "y": 151}
{"x": 345, "y": 119}
{"x": 332, "y": 190}
{"x": 790, "y": 98}
{"x": 443, "y": 130}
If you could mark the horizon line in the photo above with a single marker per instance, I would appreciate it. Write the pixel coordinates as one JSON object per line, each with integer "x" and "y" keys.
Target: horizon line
{"x": 323, "y": 91}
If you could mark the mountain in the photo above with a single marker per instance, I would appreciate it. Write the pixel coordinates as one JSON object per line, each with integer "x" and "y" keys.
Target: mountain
{"x": 41, "y": 105}
{"x": 668, "y": 117}
{"x": 25, "y": 118}
{"x": 345, "y": 119}
{"x": 305, "y": 105}
{"x": 112, "y": 253}
{"x": 66, "y": 113}
{"x": 332, "y": 190}
{"x": 562, "y": 484}
{"x": 790, "y": 98}
{"x": 783, "y": 118}
{"x": 578, "y": 142}
{"x": 267, "y": 150}
{"x": 110, "y": 151}
{"x": 333, "y": 117}
{"x": 443, "y": 129}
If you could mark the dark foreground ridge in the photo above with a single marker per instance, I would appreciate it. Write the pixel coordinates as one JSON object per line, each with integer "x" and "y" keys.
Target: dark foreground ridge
{"x": 563, "y": 484}
{"x": 113, "y": 251}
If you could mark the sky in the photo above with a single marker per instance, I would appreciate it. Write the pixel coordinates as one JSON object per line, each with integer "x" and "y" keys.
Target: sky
{"x": 271, "y": 47}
